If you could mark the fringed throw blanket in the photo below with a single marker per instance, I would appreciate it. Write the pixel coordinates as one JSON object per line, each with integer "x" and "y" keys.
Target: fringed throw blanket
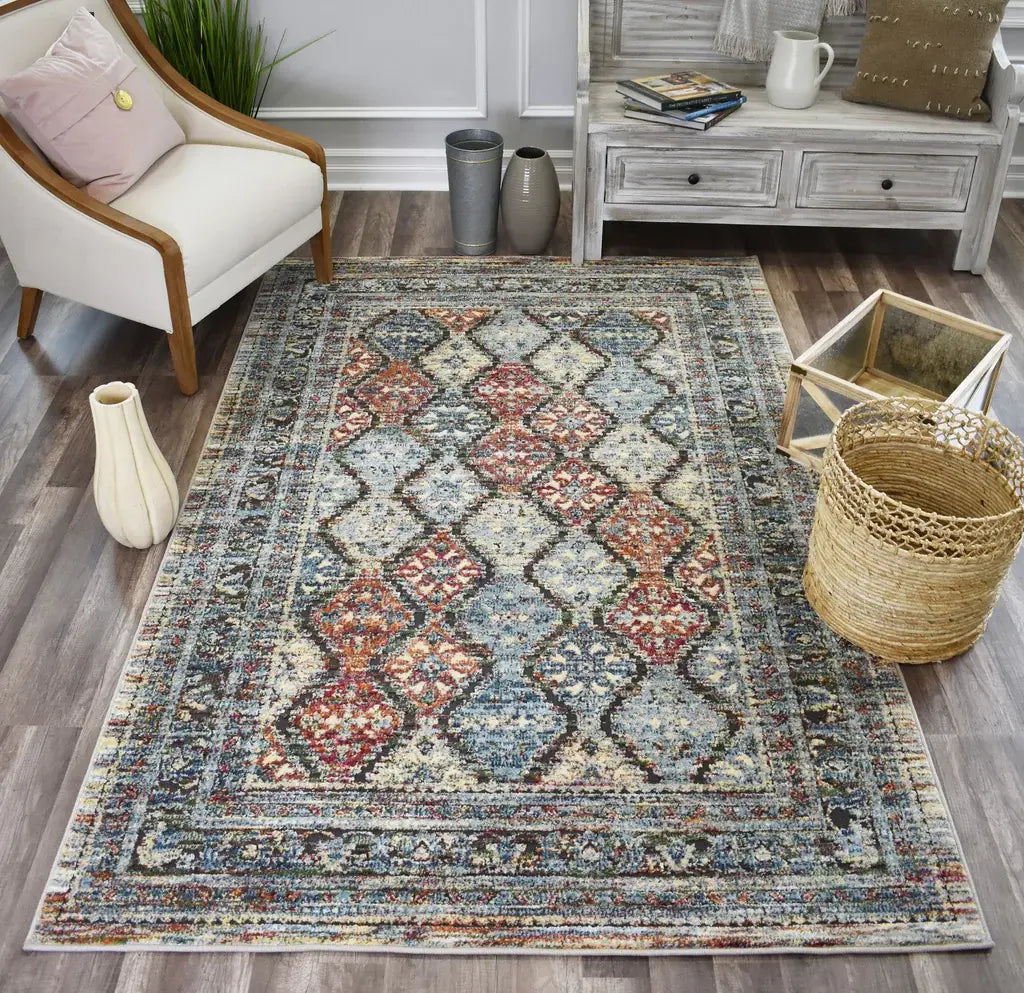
{"x": 746, "y": 26}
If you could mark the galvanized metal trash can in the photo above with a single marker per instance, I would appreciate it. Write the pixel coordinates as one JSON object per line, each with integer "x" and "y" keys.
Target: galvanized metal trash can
{"x": 474, "y": 183}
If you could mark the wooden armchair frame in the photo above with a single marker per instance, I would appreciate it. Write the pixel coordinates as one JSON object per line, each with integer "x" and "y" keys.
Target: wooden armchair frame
{"x": 180, "y": 337}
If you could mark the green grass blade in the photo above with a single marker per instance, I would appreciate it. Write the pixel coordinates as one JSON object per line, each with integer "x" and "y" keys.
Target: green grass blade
{"x": 215, "y": 45}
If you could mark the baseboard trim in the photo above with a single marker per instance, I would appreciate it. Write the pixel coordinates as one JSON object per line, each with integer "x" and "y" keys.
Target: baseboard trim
{"x": 409, "y": 168}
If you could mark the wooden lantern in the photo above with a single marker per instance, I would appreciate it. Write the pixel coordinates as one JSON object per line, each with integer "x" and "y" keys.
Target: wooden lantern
{"x": 890, "y": 346}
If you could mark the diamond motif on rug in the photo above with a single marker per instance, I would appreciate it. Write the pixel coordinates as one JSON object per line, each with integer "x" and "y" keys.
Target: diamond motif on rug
{"x": 585, "y": 669}
{"x": 510, "y": 617}
{"x": 509, "y": 531}
{"x": 403, "y": 334}
{"x": 634, "y": 455}
{"x": 396, "y": 392}
{"x": 511, "y": 335}
{"x": 431, "y": 669}
{"x": 511, "y": 391}
{"x": 567, "y": 363}
{"x": 347, "y": 725}
{"x": 505, "y": 726}
{"x": 385, "y": 456}
{"x": 445, "y": 490}
{"x": 455, "y": 362}
{"x": 658, "y": 620}
{"x": 439, "y": 571}
{"x": 458, "y": 321}
{"x": 570, "y": 422}
{"x": 626, "y": 391}
{"x": 377, "y": 528}
{"x": 576, "y": 490}
{"x": 669, "y": 728}
{"x": 580, "y": 572}
{"x": 511, "y": 455}
{"x": 450, "y": 421}
{"x": 360, "y": 621}
{"x": 645, "y": 531}
{"x": 620, "y": 333}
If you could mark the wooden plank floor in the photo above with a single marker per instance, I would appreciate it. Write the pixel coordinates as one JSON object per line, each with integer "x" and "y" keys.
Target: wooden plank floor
{"x": 70, "y": 599}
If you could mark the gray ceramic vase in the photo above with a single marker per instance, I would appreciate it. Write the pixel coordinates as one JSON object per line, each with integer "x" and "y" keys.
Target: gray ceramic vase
{"x": 530, "y": 200}
{"x": 474, "y": 179}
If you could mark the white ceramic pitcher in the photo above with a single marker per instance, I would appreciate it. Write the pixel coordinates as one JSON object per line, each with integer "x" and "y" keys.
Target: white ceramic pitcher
{"x": 793, "y": 75}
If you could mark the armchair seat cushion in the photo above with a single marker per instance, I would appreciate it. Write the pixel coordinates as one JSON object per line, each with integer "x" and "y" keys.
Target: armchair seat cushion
{"x": 221, "y": 203}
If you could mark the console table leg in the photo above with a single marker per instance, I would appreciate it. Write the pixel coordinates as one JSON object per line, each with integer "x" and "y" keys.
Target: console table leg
{"x": 983, "y": 206}
{"x": 577, "y": 249}
{"x": 593, "y": 234}
{"x": 963, "y": 261}
{"x": 594, "y": 239}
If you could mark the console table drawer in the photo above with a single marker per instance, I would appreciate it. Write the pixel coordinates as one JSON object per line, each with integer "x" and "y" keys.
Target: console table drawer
{"x": 723, "y": 178}
{"x": 865, "y": 180}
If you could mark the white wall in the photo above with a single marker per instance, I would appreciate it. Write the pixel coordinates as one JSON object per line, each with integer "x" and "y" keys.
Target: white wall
{"x": 381, "y": 92}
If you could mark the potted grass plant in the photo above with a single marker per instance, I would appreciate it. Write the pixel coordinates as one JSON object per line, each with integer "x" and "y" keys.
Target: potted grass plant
{"x": 216, "y": 46}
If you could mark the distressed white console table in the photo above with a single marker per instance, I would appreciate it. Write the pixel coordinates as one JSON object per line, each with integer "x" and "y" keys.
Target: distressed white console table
{"x": 835, "y": 164}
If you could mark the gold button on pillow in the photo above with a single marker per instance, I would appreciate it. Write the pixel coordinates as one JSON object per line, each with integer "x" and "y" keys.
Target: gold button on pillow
{"x": 123, "y": 99}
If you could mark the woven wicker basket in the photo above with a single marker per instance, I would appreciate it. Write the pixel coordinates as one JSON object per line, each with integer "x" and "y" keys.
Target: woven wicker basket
{"x": 919, "y": 516}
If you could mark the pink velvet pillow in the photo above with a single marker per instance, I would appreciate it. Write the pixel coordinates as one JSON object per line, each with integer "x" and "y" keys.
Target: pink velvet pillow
{"x": 91, "y": 110}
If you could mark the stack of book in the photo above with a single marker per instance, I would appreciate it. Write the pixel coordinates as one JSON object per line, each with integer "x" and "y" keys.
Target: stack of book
{"x": 682, "y": 99}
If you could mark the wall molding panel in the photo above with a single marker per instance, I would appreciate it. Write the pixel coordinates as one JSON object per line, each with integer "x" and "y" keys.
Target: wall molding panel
{"x": 409, "y": 168}
{"x": 527, "y": 108}
{"x": 475, "y": 112}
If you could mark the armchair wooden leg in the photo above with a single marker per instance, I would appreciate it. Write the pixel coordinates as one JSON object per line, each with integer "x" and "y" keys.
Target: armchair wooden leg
{"x": 30, "y": 300}
{"x": 183, "y": 357}
{"x": 320, "y": 245}
{"x": 180, "y": 341}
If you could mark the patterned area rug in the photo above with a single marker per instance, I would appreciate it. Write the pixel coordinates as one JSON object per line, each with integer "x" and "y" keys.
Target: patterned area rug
{"x": 482, "y": 628}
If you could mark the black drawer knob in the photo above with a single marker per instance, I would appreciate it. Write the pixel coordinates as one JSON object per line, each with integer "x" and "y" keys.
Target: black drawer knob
{"x": 886, "y": 184}
{"x": 693, "y": 179}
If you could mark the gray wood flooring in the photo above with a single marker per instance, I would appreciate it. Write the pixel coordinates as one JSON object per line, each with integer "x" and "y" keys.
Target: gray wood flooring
{"x": 70, "y": 599}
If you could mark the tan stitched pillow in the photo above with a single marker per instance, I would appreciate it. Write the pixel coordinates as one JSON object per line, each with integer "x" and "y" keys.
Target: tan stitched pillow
{"x": 929, "y": 55}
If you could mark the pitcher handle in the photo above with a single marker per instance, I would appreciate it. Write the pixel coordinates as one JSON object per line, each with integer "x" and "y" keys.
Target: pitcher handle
{"x": 828, "y": 64}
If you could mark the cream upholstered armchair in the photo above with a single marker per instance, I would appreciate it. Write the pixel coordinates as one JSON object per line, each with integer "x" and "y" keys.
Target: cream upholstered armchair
{"x": 207, "y": 219}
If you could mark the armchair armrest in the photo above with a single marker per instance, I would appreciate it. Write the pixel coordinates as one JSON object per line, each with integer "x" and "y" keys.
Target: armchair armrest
{"x": 61, "y": 240}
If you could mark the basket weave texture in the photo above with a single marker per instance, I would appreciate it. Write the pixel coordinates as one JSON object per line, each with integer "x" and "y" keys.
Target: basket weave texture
{"x": 920, "y": 512}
